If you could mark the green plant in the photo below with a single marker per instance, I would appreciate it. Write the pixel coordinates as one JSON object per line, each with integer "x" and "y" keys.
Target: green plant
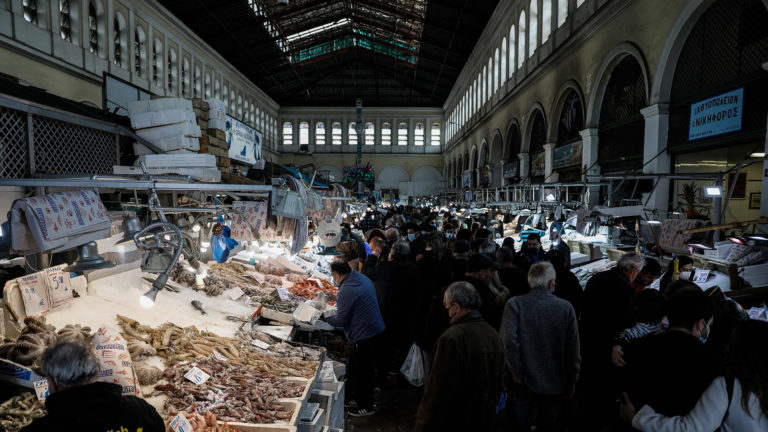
{"x": 690, "y": 195}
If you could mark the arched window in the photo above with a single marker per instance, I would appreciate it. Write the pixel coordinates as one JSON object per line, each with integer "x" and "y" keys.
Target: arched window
{"x": 533, "y": 27}
{"x": 303, "y": 133}
{"x": 503, "y": 59}
{"x": 562, "y": 12}
{"x": 287, "y": 133}
{"x": 402, "y": 134}
{"x": 485, "y": 85}
{"x": 120, "y": 44}
{"x": 496, "y": 70}
{"x": 216, "y": 89}
{"x": 490, "y": 80}
{"x": 252, "y": 114}
{"x": 369, "y": 133}
{"x": 157, "y": 63}
{"x": 579, "y": 2}
{"x": 320, "y": 133}
{"x": 512, "y": 64}
{"x": 65, "y": 20}
{"x": 336, "y": 133}
{"x": 172, "y": 72}
{"x": 232, "y": 106}
{"x": 536, "y": 148}
{"x": 239, "y": 109}
{"x": 207, "y": 85}
{"x": 185, "y": 78}
{"x": 30, "y": 11}
{"x": 434, "y": 138}
{"x": 479, "y": 90}
{"x": 198, "y": 82}
{"x": 352, "y": 133}
{"x": 521, "y": 35}
{"x": 139, "y": 52}
{"x": 246, "y": 113}
{"x": 418, "y": 134}
{"x": 93, "y": 29}
{"x": 386, "y": 134}
{"x": 546, "y": 19}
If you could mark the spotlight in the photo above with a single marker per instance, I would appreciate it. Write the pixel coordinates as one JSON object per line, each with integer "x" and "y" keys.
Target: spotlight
{"x": 89, "y": 259}
{"x": 713, "y": 191}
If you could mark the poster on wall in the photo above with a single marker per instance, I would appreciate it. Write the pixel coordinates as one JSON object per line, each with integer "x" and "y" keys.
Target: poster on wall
{"x": 510, "y": 170}
{"x": 466, "y": 178}
{"x": 567, "y": 155}
{"x": 538, "y": 164}
{"x": 717, "y": 115}
{"x": 243, "y": 141}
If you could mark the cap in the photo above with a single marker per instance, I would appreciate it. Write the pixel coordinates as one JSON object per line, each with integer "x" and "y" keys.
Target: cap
{"x": 481, "y": 261}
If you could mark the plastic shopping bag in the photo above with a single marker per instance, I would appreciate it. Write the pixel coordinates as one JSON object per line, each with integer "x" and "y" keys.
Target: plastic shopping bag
{"x": 221, "y": 243}
{"x": 413, "y": 367}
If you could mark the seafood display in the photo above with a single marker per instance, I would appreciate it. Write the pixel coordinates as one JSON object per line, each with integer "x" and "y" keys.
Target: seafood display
{"x": 147, "y": 374}
{"x": 36, "y": 336}
{"x": 270, "y": 270}
{"x": 205, "y": 422}
{"x": 273, "y": 301}
{"x": 19, "y": 411}
{"x": 281, "y": 348}
{"x": 233, "y": 392}
{"x": 309, "y": 289}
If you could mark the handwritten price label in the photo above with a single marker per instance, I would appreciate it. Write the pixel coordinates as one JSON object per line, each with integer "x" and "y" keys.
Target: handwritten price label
{"x": 259, "y": 344}
{"x": 181, "y": 424}
{"x": 234, "y": 293}
{"x": 219, "y": 356}
{"x": 701, "y": 276}
{"x": 196, "y": 375}
{"x": 260, "y": 278}
{"x": 41, "y": 389}
{"x": 283, "y": 293}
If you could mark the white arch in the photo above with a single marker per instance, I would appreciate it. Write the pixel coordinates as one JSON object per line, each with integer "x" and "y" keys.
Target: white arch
{"x": 592, "y": 114}
{"x": 335, "y": 172}
{"x": 678, "y": 35}
{"x": 391, "y": 176}
{"x": 426, "y": 180}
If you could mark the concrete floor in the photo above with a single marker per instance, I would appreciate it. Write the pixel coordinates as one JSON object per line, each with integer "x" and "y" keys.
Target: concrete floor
{"x": 397, "y": 401}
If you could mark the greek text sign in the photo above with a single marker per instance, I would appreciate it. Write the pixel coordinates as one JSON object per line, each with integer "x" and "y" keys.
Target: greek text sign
{"x": 717, "y": 115}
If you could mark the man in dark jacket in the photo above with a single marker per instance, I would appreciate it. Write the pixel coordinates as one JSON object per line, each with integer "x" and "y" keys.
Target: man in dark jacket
{"x": 511, "y": 277}
{"x": 357, "y": 312}
{"x": 479, "y": 273}
{"x": 463, "y": 387}
{"x": 568, "y": 286}
{"x": 78, "y": 403}
{"x": 606, "y": 310}
{"x": 530, "y": 253}
{"x": 541, "y": 347}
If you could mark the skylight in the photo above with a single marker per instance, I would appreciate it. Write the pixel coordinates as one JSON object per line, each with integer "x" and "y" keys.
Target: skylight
{"x": 318, "y": 29}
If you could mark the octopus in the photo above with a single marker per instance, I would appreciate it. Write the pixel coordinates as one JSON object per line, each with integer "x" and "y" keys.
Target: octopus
{"x": 20, "y": 411}
{"x": 28, "y": 348}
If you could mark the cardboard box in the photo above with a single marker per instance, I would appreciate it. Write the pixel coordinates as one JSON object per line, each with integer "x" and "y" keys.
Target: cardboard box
{"x": 203, "y": 125}
{"x": 216, "y": 151}
{"x": 199, "y": 104}
{"x": 222, "y": 161}
{"x": 18, "y": 374}
{"x": 200, "y": 114}
{"x": 216, "y": 133}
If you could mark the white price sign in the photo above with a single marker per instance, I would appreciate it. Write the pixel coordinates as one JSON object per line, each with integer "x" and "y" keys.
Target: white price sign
{"x": 283, "y": 293}
{"x": 260, "y": 344}
{"x": 259, "y": 277}
{"x": 181, "y": 424}
{"x": 41, "y": 389}
{"x": 196, "y": 375}
{"x": 219, "y": 356}
{"x": 234, "y": 293}
{"x": 701, "y": 276}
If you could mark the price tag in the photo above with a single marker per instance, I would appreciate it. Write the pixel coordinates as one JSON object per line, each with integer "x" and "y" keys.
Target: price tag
{"x": 234, "y": 293}
{"x": 317, "y": 282}
{"x": 219, "y": 356}
{"x": 701, "y": 276}
{"x": 260, "y": 278}
{"x": 41, "y": 389}
{"x": 284, "y": 294}
{"x": 181, "y": 424}
{"x": 757, "y": 313}
{"x": 196, "y": 375}
{"x": 260, "y": 344}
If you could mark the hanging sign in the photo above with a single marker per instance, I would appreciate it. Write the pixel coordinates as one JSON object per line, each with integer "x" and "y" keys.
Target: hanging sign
{"x": 538, "y": 166}
{"x": 466, "y": 178}
{"x": 510, "y": 170}
{"x": 717, "y": 115}
{"x": 567, "y": 155}
{"x": 243, "y": 142}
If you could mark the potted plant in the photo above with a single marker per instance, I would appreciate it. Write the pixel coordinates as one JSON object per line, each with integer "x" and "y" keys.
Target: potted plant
{"x": 690, "y": 195}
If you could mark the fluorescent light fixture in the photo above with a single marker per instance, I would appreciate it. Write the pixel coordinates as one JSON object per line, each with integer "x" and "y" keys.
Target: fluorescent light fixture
{"x": 654, "y": 222}
{"x": 756, "y": 237}
{"x": 737, "y": 240}
{"x": 758, "y": 155}
{"x": 713, "y": 191}
{"x": 700, "y": 246}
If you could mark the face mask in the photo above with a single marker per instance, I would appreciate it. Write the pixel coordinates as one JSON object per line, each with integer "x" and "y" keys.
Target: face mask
{"x": 702, "y": 338}
{"x": 428, "y": 249}
{"x": 449, "y": 235}
{"x": 411, "y": 237}
{"x": 686, "y": 275}
{"x": 423, "y": 233}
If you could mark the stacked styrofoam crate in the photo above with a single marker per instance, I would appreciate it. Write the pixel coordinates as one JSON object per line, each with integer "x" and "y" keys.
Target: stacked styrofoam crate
{"x": 168, "y": 123}
{"x": 211, "y": 114}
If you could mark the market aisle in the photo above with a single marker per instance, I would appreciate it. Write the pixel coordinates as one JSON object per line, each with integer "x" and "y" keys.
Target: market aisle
{"x": 397, "y": 413}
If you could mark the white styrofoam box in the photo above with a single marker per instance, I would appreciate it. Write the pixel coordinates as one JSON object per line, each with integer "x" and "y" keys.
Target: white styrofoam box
{"x": 159, "y": 104}
{"x": 186, "y": 161}
{"x": 200, "y": 173}
{"x": 158, "y": 118}
{"x": 219, "y": 124}
{"x": 756, "y": 275}
{"x": 169, "y": 144}
{"x": 723, "y": 248}
{"x": 215, "y": 104}
{"x": 217, "y": 114}
{"x": 189, "y": 129}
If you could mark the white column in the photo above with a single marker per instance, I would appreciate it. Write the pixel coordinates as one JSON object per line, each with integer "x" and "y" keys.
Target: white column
{"x": 549, "y": 160}
{"x": 656, "y": 133}
{"x": 764, "y": 195}
{"x": 524, "y": 165}
{"x": 589, "y": 149}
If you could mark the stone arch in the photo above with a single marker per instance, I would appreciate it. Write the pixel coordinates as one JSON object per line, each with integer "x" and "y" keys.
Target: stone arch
{"x": 557, "y": 106}
{"x": 332, "y": 170}
{"x": 661, "y": 88}
{"x": 526, "y": 136}
{"x": 426, "y": 180}
{"x": 617, "y": 54}
{"x": 511, "y": 135}
{"x": 391, "y": 176}
{"x": 496, "y": 159}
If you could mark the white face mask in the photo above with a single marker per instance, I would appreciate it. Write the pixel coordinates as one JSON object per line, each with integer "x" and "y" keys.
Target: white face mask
{"x": 686, "y": 275}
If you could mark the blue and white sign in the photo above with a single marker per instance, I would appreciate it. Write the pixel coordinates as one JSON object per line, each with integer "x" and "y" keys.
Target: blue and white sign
{"x": 243, "y": 141}
{"x": 717, "y": 115}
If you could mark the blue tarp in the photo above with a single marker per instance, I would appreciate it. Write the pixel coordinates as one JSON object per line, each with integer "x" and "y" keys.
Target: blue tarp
{"x": 299, "y": 175}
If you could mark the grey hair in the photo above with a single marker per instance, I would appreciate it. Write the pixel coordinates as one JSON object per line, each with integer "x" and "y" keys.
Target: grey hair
{"x": 400, "y": 251}
{"x": 464, "y": 294}
{"x": 505, "y": 255}
{"x": 488, "y": 247}
{"x": 393, "y": 235}
{"x": 70, "y": 364}
{"x": 540, "y": 274}
{"x": 630, "y": 261}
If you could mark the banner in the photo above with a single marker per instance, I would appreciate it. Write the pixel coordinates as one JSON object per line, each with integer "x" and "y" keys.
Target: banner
{"x": 569, "y": 154}
{"x": 510, "y": 169}
{"x": 717, "y": 115}
{"x": 243, "y": 142}
{"x": 466, "y": 178}
{"x": 538, "y": 164}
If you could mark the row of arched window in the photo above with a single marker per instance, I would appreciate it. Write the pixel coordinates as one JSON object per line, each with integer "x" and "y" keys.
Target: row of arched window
{"x": 514, "y": 48}
{"x": 368, "y": 134}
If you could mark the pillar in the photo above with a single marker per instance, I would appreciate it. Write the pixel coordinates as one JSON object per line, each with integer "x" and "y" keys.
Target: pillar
{"x": 656, "y": 133}
{"x": 589, "y": 139}
{"x": 764, "y": 195}
{"x": 549, "y": 161}
{"x": 525, "y": 163}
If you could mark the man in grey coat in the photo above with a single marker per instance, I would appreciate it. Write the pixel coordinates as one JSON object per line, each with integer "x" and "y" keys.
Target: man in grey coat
{"x": 541, "y": 347}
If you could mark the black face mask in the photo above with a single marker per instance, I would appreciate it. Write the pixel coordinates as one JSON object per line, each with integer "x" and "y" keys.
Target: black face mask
{"x": 528, "y": 251}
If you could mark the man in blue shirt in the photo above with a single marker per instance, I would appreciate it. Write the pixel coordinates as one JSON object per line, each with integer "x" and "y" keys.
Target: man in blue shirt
{"x": 357, "y": 312}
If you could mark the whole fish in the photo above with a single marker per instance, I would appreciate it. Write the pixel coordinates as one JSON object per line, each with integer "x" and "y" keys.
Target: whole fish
{"x": 199, "y": 306}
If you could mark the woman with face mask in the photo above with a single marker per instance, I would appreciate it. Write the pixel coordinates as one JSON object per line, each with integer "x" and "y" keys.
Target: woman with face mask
{"x": 685, "y": 267}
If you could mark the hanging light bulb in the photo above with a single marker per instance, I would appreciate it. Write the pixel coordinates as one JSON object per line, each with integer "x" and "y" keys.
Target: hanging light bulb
{"x": 148, "y": 299}
{"x": 196, "y": 228}
{"x": 205, "y": 244}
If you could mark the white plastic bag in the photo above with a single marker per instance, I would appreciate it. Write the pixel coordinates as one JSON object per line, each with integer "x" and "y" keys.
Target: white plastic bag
{"x": 413, "y": 367}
